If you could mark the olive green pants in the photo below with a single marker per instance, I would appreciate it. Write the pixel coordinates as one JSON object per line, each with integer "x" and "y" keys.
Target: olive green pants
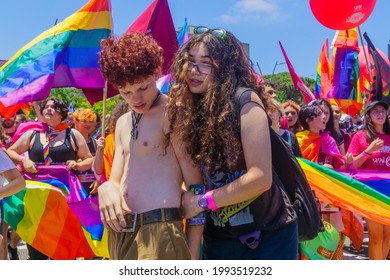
{"x": 156, "y": 241}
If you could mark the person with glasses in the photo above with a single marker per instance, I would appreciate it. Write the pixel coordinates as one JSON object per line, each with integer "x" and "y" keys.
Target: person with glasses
{"x": 291, "y": 110}
{"x": 371, "y": 150}
{"x": 141, "y": 202}
{"x": 246, "y": 215}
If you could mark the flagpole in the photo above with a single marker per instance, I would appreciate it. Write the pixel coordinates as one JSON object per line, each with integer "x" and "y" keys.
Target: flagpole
{"x": 104, "y": 111}
{"x": 365, "y": 55}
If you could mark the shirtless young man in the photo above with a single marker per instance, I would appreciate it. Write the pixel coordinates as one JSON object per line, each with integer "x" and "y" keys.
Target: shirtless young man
{"x": 140, "y": 204}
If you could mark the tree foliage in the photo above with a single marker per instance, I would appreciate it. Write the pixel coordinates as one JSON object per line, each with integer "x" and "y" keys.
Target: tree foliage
{"x": 78, "y": 100}
{"x": 285, "y": 89}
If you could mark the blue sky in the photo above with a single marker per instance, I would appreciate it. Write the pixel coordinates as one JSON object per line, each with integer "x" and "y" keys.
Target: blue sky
{"x": 260, "y": 23}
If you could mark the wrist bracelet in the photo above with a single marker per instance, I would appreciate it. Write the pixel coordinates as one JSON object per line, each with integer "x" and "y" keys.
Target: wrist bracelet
{"x": 21, "y": 163}
{"x": 210, "y": 201}
{"x": 366, "y": 155}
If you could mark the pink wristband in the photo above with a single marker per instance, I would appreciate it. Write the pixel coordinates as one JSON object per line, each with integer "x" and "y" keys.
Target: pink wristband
{"x": 210, "y": 200}
{"x": 21, "y": 163}
{"x": 365, "y": 155}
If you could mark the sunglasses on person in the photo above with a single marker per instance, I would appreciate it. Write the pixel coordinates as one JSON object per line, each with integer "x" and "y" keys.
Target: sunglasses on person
{"x": 219, "y": 33}
{"x": 203, "y": 68}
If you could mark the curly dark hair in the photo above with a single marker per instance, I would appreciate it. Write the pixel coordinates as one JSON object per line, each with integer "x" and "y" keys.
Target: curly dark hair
{"x": 211, "y": 115}
{"x": 369, "y": 127}
{"x": 330, "y": 124}
{"x": 129, "y": 59}
{"x": 308, "y": 112}
{"x": 59, "y": 105}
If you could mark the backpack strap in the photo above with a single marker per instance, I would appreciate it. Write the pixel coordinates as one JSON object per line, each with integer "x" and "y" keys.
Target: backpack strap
{"x": 69, "y": 131}
{"x": 242, "y": 96}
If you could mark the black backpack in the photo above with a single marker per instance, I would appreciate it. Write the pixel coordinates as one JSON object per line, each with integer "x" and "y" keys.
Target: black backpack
{"x": 292, "y": 179}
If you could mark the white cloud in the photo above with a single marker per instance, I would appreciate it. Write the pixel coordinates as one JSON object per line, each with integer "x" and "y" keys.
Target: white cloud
{"x": 250, "y": 10}
{"x": 255, "y": 6}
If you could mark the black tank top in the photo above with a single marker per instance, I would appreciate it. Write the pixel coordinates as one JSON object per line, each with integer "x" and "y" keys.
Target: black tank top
{"x": 59, "y": 154}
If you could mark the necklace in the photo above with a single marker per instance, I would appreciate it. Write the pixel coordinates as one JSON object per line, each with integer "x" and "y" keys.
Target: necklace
{"x": 136, "y": 118}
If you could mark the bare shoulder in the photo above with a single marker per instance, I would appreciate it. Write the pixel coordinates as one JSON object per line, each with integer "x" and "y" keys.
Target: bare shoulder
{"x": 123, "y": 121}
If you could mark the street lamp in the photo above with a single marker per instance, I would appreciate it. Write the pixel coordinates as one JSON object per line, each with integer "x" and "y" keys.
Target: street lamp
{"x": 273, "y": 71}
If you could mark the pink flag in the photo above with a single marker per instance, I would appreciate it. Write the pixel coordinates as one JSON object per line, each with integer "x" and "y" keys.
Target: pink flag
{"x": 157, "y": 21}
{"x": 298, "y": 83}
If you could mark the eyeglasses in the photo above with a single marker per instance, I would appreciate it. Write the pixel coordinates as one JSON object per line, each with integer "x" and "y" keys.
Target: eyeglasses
{"x": 379, "y": 112}
{"x": 219, "y": 33}
{"x": 203, "y": 68}
{"x": 290, "y": 113}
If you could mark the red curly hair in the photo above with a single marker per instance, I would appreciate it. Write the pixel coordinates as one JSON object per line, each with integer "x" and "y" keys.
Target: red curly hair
{"x": 130, "y": 58}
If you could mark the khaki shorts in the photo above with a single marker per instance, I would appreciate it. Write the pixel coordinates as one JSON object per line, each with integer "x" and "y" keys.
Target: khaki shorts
{"x": 156, "y": 241}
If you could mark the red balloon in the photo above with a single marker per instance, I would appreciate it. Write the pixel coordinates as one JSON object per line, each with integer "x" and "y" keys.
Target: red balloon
{"x": 341, "y": 14}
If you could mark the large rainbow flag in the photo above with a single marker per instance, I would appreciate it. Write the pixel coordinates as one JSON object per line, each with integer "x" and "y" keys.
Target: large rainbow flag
{"x": 362, "y": 192}
{"x": 65, "y": 55}
{"x": 345, "y": 90}
{"x": 55, "y": 215}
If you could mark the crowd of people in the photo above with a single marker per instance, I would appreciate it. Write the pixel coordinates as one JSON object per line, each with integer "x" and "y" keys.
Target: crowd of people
{"x": 158, "y": 146}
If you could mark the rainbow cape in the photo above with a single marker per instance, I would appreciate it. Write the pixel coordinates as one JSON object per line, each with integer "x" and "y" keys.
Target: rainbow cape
{"x": 360, "y": 192}
{"x": 65, "y": 55}
{"x": 55, "y": 215}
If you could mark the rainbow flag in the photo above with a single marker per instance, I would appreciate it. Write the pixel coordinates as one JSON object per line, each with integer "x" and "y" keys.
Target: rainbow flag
{"x": 324, "y": 73}
{"x": 345, "y": 90}
{"x": 363, "y": 197}
{"x": 54, "y": 215}
{"x": 65, "y": 55}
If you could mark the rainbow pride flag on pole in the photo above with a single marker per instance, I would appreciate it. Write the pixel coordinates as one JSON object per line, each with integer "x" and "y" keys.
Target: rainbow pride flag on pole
{"x": 357, "y": 192}
{"x": 345, "y": 90}
{"x": 324, "y": 73}
{"x": 54, "y": 215}
{"x": 65, "y": 55}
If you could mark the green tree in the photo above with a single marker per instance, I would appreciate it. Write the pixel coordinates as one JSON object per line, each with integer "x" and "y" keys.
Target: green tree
{"x": 285, "y": 89}
{"x": 78, "y": 99}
